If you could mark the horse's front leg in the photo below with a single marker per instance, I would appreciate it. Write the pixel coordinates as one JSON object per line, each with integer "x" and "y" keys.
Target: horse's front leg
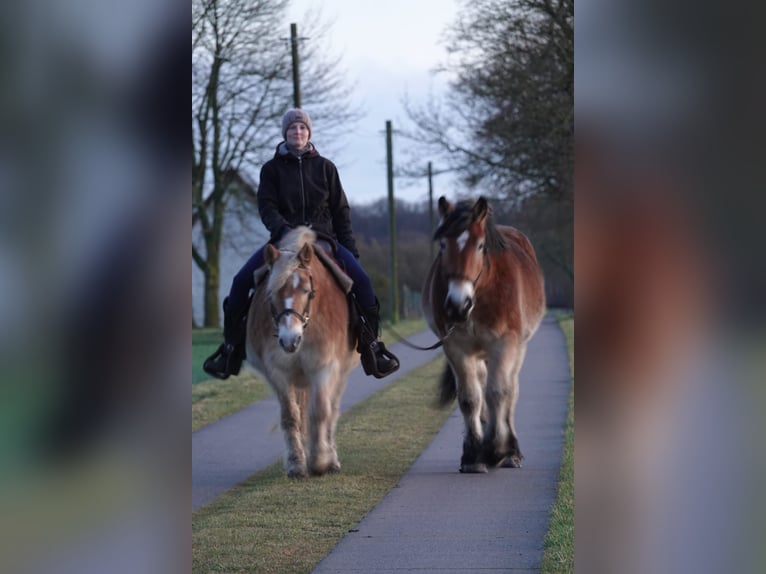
{"x": 514, "y": 457}
{"x": 322, "y": 457}
{"x": 337, "y": 392}
{"x": 291, "y": 406}
{"x": 501, "y": 443}
{"x": 468, "y": 373}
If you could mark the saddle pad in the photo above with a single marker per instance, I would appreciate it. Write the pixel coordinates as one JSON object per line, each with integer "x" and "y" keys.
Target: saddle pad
{"x": 344, "y": 281}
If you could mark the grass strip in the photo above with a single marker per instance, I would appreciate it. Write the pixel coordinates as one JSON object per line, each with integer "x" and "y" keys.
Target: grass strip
{"x": 558, "y": 553}
{"x": 214, "y": 399}
{"x": 272, "y": 524}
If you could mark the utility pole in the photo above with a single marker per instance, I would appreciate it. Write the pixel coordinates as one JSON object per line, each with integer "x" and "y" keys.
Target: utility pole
{"x": 431, "y": 207}
{"x": 392, "y": 219}
{"x": 296, "y": 66}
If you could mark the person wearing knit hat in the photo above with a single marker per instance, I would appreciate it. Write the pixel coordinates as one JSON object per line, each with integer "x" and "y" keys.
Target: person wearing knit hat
{"x": 298, "y": 186}
{"x": 295, "y": 115}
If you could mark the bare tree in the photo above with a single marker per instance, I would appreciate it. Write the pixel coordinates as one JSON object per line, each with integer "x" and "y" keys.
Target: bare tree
{"x": 241, "y": 85}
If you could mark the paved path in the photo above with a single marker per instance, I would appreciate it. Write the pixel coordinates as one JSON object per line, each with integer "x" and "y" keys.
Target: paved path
{"x": 438, "y": 520}
{"x": 228, "y": 451}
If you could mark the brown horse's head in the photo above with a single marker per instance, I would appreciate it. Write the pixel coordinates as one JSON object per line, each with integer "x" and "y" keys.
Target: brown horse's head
{"x": 291, "y": 291}
{"x": 466, "y": 234}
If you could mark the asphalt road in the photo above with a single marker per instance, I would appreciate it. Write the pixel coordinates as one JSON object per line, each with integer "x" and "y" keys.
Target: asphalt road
{"x": 438, "y": 520}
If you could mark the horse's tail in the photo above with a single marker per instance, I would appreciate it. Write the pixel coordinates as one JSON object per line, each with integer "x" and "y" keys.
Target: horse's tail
{"x": 447, "y": 388}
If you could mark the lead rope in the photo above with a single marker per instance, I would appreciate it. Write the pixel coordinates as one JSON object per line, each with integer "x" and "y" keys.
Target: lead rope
{"x": 436, "y": 345}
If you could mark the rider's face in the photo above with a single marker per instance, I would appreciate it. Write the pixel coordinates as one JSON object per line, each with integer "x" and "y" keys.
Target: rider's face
{"x": 297, "y": 135}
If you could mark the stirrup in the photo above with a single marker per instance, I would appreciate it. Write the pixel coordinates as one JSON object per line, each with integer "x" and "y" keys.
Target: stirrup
{"x": 224, "y": 362}
{"x": 369, "y": 358}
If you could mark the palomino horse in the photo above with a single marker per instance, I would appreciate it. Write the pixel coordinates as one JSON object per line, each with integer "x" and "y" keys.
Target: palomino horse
{"x": 298, "y": 336}
{"x": 484, "y": 298}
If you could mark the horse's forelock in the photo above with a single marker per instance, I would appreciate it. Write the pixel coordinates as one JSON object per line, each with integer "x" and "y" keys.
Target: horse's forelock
{"x": 289, "y": 246}
{"x": 460, "y": 220}
{"x": 282, "y": 270}
{"x": 455, "y": 222}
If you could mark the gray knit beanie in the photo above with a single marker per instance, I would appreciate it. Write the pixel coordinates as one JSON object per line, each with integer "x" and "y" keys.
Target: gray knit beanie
{"x": 295, "y": 115}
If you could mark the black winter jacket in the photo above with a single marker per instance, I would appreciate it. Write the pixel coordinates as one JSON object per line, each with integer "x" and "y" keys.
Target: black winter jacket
{"x": 304, "y": 191}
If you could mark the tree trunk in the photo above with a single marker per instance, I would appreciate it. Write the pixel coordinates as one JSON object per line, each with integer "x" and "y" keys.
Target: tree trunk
{"x": 212, "y": 314}
{"x": 212, "y": 272}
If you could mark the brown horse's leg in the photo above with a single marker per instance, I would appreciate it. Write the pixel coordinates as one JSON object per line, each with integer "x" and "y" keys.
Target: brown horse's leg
{"x": 470, "y": 399}
{"x": 500, "y": 441}
{"x": 291, "y": 406}
{"x": 514, "y": 456}
{"x": 497, "y": 398}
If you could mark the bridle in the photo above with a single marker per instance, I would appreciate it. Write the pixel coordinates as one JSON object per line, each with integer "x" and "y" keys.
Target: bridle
{"x": 460, "y": 277}
{"x": 306, "y": 315}
{"x": 451, "y": 327}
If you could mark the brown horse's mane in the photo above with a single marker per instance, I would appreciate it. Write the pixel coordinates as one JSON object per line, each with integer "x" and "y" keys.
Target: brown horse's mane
{"x": 461, "y": 218}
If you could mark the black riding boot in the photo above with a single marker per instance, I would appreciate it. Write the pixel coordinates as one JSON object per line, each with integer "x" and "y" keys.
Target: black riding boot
{"x": 227, "y": 360}
{"x": 376, "y": 359}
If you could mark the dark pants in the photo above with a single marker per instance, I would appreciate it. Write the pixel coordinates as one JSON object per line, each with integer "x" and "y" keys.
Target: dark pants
{"x": 243, "y": 280}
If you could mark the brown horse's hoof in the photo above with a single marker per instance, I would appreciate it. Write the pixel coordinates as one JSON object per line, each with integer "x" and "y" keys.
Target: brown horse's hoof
{"x": 513, "y": 461}
{"x": 476, "y": 468}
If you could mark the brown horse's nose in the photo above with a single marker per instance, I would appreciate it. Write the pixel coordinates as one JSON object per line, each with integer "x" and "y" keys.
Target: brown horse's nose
{"x": 458, "y": 313}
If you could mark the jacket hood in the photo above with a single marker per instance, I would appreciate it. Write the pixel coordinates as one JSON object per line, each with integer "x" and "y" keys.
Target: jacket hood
{"x": 284, "y": 152}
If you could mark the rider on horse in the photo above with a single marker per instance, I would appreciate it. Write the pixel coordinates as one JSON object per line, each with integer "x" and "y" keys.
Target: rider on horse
{"x": 300, "y": 187}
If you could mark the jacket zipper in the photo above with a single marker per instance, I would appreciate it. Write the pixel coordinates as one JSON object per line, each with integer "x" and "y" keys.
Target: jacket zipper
{"x": 303, "y": 190}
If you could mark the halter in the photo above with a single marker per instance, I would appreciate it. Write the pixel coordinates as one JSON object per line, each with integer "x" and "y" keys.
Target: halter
{"x": 451, "y": 327}
{"x": 305, "y": 316}
{"x": 460, "y": 276}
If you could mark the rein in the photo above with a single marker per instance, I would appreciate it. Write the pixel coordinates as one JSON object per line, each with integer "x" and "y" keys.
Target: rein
{"x": 436, "y": 345}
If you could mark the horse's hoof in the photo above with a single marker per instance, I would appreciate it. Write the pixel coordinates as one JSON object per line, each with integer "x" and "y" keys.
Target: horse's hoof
{"x": 513, "y": 461}
{"x": 492, "y": 458}
{"x": 327, "y": 469}
{"x": 325, "y": 466}
{"x": 476, "y": 468}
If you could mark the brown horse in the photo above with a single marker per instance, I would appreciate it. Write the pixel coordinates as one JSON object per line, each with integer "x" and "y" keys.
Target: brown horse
{"x": 484, "y": 298}
{"x": 298, "y": 336}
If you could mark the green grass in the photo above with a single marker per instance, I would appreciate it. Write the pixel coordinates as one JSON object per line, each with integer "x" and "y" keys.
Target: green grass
{"x": 272, "y": 524}
{"x": 558, "y": 553}
{"x": 213, "y": 399}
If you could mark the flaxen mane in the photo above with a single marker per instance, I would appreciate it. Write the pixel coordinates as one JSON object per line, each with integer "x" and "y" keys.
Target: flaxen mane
{"x": 288, "y": 263}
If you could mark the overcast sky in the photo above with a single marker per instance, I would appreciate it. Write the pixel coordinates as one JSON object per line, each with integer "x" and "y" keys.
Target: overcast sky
{"x": 388, "y": 49}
